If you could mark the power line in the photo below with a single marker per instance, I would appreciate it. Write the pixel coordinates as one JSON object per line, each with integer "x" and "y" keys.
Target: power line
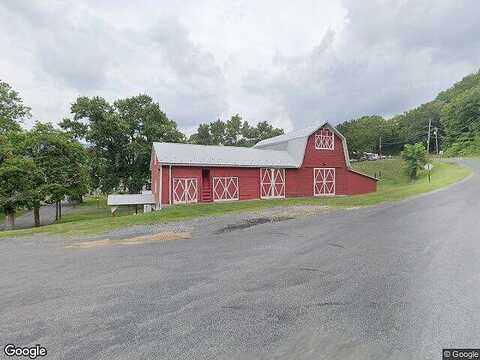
{"x": 459, "y": 131}
{"x": 409, "y": 141}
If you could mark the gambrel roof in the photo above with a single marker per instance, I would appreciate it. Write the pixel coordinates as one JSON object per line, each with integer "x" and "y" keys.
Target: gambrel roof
{"x": 283, "y": 151}
{"x": 296, "y": 134}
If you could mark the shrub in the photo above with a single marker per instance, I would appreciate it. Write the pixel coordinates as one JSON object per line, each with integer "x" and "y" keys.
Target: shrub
{"x": 415, "y": 157}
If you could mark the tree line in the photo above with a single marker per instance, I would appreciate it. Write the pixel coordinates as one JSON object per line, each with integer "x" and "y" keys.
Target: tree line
{"x": 104, "y": 146}
{"x": 454, "y": 117}
{"x": 234, "y": 132}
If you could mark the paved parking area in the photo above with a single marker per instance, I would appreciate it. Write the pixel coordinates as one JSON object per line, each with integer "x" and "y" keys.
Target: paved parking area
{"x": 397, "y": 281}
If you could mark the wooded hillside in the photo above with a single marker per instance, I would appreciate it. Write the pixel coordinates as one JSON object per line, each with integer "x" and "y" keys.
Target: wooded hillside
{"x": 454, "y": 116}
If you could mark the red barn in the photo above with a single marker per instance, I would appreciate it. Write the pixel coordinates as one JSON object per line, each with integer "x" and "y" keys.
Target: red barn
{"x": 308, "y": 162}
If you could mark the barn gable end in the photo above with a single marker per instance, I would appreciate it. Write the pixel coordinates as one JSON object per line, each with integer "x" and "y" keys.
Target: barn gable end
{"x": 315, "y": 157}
{"x": 307, "y": 162}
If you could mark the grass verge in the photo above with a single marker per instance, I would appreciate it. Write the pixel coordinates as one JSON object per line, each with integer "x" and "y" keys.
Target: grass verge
{"x": 394, "y": 186}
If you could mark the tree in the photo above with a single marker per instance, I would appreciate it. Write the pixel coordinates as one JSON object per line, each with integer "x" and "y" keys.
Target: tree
{"x": 12, "y": 109}
{"x": 18, "y": 177}
{"x": 265, "y": 130}
{"x": 63, "y": 165}
{"x": 234, "y": 132}
{"x": 203, "y": 135}
{"x": 415, "y": 156}
{"x": 251, "y": 135}
{"x": 461, "y": 117}
{"x": 466, "y": 84}
{"x": 120, "y": 136}
{"x": 412, "y": 126}
{"x": 217, "y": 131}
{"x": 363, "y": 134}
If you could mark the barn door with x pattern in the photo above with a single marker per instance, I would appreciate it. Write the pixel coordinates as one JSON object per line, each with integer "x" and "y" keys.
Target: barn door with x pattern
{"x": 225, "y": 188}
{"x": 272, "y": 183}
{"x": 323, "y": 181}
{"x": 185, "y": 190}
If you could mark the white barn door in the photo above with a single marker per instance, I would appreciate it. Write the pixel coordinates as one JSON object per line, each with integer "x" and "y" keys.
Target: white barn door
{"x": 272, "y": 183}
{"x": 323, "y": 181}
{"x": 185, "y": 190}
{"x": 225, "y": 188}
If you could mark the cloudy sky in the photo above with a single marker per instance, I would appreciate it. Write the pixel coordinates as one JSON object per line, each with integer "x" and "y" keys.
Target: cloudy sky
{"x": 293, "y": 63}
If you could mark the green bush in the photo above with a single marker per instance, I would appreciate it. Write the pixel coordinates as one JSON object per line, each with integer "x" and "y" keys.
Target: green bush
{"x": 415, "y": 156}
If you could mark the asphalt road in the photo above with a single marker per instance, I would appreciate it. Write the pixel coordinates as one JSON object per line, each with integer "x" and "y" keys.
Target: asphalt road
{"x": 47, "y": 216}
{"x": 397, "y": 281}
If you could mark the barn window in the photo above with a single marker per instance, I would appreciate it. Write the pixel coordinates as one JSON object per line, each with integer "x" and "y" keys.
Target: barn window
{"x": 324, "y": 140}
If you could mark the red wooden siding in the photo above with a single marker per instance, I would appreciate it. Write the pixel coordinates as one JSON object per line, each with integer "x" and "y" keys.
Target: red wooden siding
{"x": 179, "y": 172}
{"x": 320, "y": 157}
{"x": 359, "y": 184}
{"x": 248, "y": 180}
{"x": 298, "y": 182}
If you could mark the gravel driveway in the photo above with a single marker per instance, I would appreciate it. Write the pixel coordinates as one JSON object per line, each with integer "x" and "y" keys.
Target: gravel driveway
{"x": 396, "y": 281}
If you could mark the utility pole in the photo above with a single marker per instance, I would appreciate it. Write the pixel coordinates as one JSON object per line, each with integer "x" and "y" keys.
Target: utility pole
{"x": 428, "y": 141}
{"x": 380, "y": 146}
{"x": 435, "y": 132}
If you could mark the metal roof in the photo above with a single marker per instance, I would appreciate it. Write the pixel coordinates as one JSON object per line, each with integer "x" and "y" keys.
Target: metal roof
{"x": 301, "y": 133}
{"x": 294, "y": 142}
{"x": 130, "y": 199}
{"x": 208, "y": 155}
{"x": 285, "y": 151}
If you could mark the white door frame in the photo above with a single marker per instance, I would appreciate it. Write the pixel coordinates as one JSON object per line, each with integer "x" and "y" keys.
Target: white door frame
{"x": 272, "y": 175}
{"x": 325, "y": 187}
{"x": 186, "y": 185}
{"x": 226, "y": 194}
{"x": 325, "y": 139}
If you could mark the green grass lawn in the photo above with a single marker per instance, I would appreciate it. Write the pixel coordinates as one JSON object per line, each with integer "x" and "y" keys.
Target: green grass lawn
{"x": 93, "y": 208}
{"x": 392, "y": 171}
{"x": 393, "y": 186}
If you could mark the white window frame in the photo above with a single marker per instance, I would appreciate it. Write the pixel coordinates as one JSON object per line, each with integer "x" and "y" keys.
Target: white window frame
{"x": 316, "y": 172}
{"x": 219, "y": 198}
{"x": 273, "y": 174}
{"x": 186, "y": 183}
{"x": 325, "y": 142}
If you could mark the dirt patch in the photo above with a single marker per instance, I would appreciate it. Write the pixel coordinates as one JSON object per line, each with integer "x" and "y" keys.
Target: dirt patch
{"x": 252, "y": 222}
{"x": 162, "y": 236}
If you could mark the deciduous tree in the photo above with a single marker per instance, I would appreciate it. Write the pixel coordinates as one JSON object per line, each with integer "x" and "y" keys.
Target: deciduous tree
{"x": 18, "y": 178}
{"x": 120, "y": 137}
{"x": 12, "y": 109}
{"x": 234, "y": 132}
{"x": 63, "y": 165}
{"x": 415, "y": 156}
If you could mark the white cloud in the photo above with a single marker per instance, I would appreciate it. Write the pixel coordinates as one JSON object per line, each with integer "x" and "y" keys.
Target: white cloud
{"x": 291, "y": 63}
